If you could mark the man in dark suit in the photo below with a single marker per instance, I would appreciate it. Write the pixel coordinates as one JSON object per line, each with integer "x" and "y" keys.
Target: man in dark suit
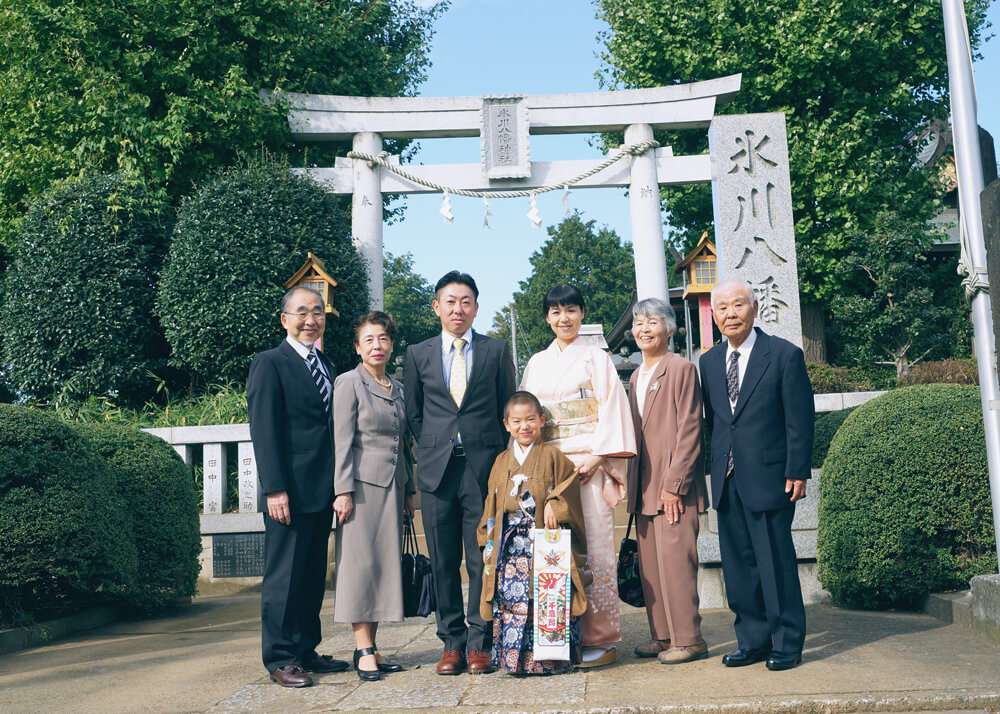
{"x": 759, "y": 408}
{"x": 288, "y": 396}
{"x": 457, "y": 384}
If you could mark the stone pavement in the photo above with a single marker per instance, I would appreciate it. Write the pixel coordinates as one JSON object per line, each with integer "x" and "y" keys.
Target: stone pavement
{"x": 204, "y": 658}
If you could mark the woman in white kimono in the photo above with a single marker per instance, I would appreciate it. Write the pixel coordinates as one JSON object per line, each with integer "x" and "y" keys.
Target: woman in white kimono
{"x": 588, "y": 419}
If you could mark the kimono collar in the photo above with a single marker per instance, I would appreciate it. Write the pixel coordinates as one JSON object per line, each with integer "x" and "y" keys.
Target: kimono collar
{"x": 570, "y": 348}
{"x": 520, "y": 453}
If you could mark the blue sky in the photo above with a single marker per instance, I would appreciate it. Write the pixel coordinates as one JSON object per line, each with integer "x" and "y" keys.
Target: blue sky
{"x": 531, "y": 47}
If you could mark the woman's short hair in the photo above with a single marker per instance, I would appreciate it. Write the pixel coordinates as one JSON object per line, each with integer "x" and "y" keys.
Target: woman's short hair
{"x": 376, "y": 317}
{"x": 654, "y": 307}
{"x": 564, "y": 295}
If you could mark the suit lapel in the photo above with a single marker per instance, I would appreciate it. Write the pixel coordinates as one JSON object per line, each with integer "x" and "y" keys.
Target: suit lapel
{"x": 760, "y": 360}
{"x": 718, "y": 375}
{"x": 435, "y": 363}
{"x": 478, "y": 358}
{"x": 300, "y": 373}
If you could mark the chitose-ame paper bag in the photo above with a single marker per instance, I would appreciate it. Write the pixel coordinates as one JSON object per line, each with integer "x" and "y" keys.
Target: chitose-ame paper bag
{"x": 551, "y": 588}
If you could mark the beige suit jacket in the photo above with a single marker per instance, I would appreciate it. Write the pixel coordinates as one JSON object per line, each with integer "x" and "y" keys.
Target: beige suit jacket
{"x": 668, "y": 438}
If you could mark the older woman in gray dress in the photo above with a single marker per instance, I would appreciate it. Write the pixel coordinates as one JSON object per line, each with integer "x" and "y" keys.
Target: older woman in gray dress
{"x": 372, "y": 487}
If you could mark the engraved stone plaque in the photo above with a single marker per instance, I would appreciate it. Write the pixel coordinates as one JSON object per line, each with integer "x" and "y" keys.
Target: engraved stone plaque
{"x": 247, "y": 472}
{"x": 503, "y": 137}
{"x": 752, "y": 205}
{"x": 237, "y": 555}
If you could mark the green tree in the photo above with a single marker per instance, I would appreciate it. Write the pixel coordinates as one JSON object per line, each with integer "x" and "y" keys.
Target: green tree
{"x": 237, "y": 240}
{"x": 79, "y": 317}
{"x": 899, "y": 315}
{"x": 577, "y": 252}
{"x": 408, "y": 298}
{"x": 855, "y": 80}
{"x": 170, "y": 89}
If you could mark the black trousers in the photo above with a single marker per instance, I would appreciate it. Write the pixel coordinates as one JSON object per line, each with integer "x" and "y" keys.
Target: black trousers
{"x": 451, "y": 516}
{"x": 761, "y": 574}
{"x": 293, "y": 588}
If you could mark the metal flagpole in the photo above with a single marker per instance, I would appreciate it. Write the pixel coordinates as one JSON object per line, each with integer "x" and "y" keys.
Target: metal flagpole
{"x": 968, "y": 160}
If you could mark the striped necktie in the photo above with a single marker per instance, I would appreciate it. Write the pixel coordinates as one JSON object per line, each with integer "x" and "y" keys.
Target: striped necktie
{"x": 322, "y": 383}
{"x": 733, "y": 387}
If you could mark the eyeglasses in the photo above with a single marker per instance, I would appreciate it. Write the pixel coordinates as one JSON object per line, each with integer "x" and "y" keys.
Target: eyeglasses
{"x": 302, "y": 314}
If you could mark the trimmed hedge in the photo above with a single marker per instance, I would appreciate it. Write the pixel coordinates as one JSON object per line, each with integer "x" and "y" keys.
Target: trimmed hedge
{"x": 827, "y": 424}
{"x": 65, "y": 533}
{"x": 905, "y": 505}
{"x": 157, "y": 487}
{"x": 237, "y": 240}
{"x": 78, "y": 317}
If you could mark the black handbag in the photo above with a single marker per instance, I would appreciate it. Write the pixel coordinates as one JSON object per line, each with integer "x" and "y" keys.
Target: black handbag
{"x": 419, "y": 599}
{"x": 629, "y": 580}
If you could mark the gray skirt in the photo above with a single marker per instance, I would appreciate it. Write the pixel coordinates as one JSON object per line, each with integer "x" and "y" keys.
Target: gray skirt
{"x": 369, "y": 582}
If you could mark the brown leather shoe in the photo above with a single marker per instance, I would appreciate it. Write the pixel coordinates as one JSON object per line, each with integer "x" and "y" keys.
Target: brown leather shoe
{"x": 291, "y": 675}
{"x": 479, "y": 662}
{"x": 680, "y": 655}
{"x": 652, "y": 648}
{"x": 451, "y": 662}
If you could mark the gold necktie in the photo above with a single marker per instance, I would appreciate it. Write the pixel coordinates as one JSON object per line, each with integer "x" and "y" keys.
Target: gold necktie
{"x": 457, "y": 380}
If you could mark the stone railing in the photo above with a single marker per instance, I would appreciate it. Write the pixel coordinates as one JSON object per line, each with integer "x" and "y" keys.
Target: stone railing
{"x": 208, "y": 445}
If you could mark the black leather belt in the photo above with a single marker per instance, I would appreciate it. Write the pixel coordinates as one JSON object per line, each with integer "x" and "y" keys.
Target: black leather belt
{"x": 458, "y": 450}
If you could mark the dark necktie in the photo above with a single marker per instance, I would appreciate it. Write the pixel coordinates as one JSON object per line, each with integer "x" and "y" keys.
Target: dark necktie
{"x": 733, "y": 387}
{"x": 322, "y": 383}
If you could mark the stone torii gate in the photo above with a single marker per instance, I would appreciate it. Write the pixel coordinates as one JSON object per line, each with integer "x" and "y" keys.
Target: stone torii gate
{"x": 747, "y": 165}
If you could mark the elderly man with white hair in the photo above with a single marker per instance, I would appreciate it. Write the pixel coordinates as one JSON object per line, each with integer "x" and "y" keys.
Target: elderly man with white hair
{"x": 759, "y": 408}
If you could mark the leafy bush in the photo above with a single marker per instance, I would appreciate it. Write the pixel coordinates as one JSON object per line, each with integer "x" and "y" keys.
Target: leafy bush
{"x": 945, "y": 371}
{"x": 827, "y": 424}
{"x": 65, "y": 533}
{"x": 827, "y": 379}
{"x": 218, "y": 405}
{"x": 78, "y": 317}
{"x": 236, "y": 242}
{"x": 157, "y": 487}
{"x": 905, "y": 505}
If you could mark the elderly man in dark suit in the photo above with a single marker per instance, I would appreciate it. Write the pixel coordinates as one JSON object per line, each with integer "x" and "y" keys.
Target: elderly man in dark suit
{"x": 288, "y": 396}
{"x": 759, "y": 407}
{"x": 457, "y": 384}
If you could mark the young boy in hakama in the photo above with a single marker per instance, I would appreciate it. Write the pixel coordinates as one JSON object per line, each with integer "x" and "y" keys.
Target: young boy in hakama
{"x": 532, "y": 485}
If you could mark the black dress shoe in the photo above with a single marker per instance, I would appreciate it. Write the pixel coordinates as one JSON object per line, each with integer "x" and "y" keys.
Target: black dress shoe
{"x": 778, "y": 662}
{"x": 389, "y": 667}
{"x": 742, "y": 657}
{"x": 366, "y": 675}
{"x": 325, "y": 664}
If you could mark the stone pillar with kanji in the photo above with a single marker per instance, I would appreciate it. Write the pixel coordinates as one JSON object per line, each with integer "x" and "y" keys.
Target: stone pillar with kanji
{"x": 752, "y": 206}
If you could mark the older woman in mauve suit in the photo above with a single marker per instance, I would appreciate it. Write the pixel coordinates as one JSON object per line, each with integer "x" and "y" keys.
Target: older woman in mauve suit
{"x": 665, "y": 486}
{"x": 372, "y": 487}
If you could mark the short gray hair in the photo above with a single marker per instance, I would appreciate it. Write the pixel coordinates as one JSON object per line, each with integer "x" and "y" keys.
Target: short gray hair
{"x": 291, "y": 291}
{"x": 733, "y": 283}
{"x": 654, "y": 307}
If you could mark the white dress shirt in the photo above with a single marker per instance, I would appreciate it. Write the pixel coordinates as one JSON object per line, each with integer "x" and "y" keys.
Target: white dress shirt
{"x": 743, "y": 361}
{"x": 303, "y": 351}
{"x": 448, "y": 353}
